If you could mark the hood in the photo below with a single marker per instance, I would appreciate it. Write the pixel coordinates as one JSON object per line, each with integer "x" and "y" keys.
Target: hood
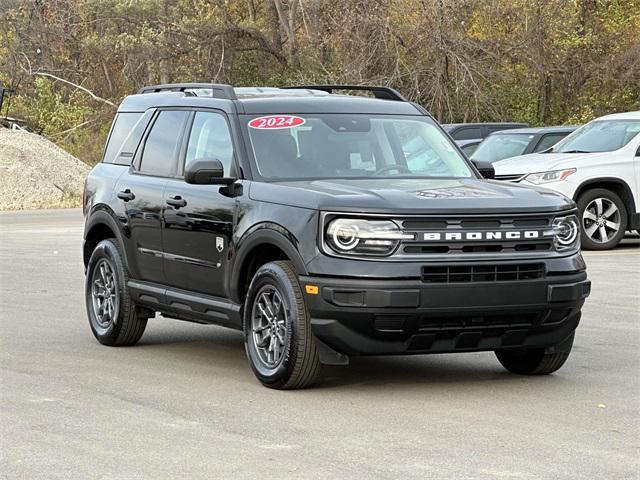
{"x": 544, "y": 162}
{"x": 416, "y": 196}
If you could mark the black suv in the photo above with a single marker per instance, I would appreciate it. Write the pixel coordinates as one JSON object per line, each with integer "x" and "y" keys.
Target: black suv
{"x": 323, "y": 226}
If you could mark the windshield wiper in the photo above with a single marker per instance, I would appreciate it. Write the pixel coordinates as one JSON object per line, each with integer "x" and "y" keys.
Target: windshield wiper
{"x": 575, "y": 151}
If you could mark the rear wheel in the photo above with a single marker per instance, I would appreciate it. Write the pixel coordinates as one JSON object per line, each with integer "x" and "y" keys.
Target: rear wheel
{"x": 113, "y": 317}
{"x": 277, "y": 331}
{"x": 603, "y": 219}
{"x": 534, "y": 361}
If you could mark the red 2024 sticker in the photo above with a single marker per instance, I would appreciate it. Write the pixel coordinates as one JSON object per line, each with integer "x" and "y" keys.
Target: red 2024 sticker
{"x": 273, "y": 122}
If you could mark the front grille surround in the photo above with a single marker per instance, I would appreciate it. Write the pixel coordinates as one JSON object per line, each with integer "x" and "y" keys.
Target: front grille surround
{"x": 422, "y": 248}
{"x": 511, "y": 178}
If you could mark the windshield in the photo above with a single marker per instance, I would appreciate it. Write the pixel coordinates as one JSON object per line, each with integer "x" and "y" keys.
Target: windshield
{"x": 352, "y": 146}
{"x": 500, "y": 146}
{"x": 599, "y": 136}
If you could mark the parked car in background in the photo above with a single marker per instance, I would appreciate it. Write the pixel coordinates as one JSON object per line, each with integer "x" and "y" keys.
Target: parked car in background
{"x": 469, "y": 146}
{"x": 472, "y": 131}
{"x": 598, "y": 166}
{"x": 519, "y": 141}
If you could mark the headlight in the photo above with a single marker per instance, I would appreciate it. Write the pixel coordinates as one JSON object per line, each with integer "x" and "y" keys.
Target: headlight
{"x": 566, "y": 232}
{"x": 351, "y": 236}
{"x": 548, "y": 177}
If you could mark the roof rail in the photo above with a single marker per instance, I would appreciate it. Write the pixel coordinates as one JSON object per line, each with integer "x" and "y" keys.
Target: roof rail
{"x": 218, "y": 90}
{"x": 386, "y": 93}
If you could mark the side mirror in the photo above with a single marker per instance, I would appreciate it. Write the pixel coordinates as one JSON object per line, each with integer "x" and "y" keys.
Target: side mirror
{"x": 206, "y": 171}
{"x": 485, "y": 168}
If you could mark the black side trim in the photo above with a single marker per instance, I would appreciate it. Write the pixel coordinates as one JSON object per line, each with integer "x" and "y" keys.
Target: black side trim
{"x": 186, "y": 305}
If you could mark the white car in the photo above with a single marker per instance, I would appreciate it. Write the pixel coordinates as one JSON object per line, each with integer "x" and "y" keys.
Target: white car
{"x": 598, "y": 166}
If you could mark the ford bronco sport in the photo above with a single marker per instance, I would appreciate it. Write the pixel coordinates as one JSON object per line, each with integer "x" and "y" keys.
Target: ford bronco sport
{"x": 322, "y": 226}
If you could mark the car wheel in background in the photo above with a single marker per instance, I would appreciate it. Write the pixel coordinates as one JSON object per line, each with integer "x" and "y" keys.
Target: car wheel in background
{"x": 603, "y": 219}
{"x": 113, "y": 317}
{"x": 277, "y": 331}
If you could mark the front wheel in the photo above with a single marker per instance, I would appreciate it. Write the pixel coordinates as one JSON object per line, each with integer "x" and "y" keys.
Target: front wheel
{"x": 277, "y": 331}
{"x": 604, "y": 219}
{"x": 534, "y": 361}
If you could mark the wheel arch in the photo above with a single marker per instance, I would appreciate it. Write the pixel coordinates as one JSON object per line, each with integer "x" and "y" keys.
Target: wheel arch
{"x": 100, "y": 226}
{"x": 616, "y": 185}
{"x": 265, "y": 243}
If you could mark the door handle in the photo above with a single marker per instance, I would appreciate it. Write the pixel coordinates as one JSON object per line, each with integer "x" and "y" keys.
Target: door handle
{"x": 126, "y": 195}
{"x": 176, "y": 201}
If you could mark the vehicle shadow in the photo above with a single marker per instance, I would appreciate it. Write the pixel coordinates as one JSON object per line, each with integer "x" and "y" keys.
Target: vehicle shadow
{"x": 215, "y": 348}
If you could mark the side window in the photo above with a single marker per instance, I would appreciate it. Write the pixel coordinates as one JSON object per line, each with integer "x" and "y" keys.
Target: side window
{"x": 469, "y": 149}
{"x": 497, "y": 129}
{"x": 210, "y": 138}
{"x": 130, "y": 144}
{"x": 468, "y": 133}
{"x": 160, "y": 149}
{"x": 549, "y": 141}
{"x": 122, "y": 125}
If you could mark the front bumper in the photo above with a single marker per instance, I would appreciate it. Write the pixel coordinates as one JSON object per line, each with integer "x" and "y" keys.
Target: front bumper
{"x": 381, "y": 317}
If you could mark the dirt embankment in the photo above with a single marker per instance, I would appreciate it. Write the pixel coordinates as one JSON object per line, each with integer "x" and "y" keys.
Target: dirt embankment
{"x": 36, "y": 173}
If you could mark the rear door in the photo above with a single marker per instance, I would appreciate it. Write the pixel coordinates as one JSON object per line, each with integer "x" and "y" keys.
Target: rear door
{"x": 142, "y": 191}
{"x": 198, "y": 219}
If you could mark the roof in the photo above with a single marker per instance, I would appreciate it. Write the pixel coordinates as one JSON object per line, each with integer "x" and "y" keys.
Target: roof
{"x": 537, "y": 130}
{"x": 267, "y": 100}
{"x": 622, "y": 116}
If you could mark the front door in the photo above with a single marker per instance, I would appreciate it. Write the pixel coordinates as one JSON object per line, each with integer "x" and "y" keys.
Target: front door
{"x": 198, "y": 219}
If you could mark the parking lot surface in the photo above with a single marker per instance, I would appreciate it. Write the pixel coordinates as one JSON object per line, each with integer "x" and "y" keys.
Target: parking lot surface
{"x": 183, "y": 403}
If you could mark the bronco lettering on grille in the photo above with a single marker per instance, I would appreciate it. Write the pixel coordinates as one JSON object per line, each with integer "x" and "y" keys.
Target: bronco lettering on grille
{"x": 484, "y": 235}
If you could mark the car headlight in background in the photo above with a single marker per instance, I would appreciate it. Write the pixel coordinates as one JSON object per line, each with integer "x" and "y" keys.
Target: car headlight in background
{"x": 566, "y": 232}
{"x": 352, "y": 236}
{"x": 548, "y": 177}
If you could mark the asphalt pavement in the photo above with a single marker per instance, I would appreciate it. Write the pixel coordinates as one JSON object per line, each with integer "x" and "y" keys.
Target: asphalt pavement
{"x": 183, "y": 403}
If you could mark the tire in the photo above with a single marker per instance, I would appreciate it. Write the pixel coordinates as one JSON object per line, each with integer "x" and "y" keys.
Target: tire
{"x": 533, "y": 361}
{"x": 277, "y": 331}
{"x": 118, "y": 323}
{"x": 596, "y": 228}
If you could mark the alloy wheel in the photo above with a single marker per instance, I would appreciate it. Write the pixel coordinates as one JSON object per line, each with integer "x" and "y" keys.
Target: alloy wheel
{"x": 601, "y": 220}
{"x": 104, "y": 294}
{"x": 269, "y": 326}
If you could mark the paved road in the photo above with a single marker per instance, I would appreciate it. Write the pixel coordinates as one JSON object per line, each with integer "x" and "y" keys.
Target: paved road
{"x": 184, "y": 404}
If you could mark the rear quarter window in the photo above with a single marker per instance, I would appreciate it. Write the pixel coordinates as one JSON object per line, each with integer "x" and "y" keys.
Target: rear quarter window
{"x": 126, "y": 132}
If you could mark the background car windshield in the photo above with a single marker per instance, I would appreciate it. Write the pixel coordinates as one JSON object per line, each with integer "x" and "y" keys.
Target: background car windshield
{"x": 342, "y": 145}
{"x": 499, "y": 147}
{"x": 599, "y": 136}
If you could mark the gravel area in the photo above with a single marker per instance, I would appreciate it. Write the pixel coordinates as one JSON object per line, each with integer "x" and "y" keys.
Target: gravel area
{"x": 36, "y": 173}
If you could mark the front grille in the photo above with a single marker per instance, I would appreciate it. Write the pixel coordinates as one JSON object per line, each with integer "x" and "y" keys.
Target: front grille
{"x": 482, "y": 273}
{"x": 510, "y": 178}
{"x": 440, "y": 236}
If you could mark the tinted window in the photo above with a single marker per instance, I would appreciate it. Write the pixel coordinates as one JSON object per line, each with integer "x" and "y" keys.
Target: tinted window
{"x": 130, "y": 144}
{"x": 468, "y": 133}
{"x": 160, "y": 149}
{"x": 210, "y": 138}
{"x": 549, "y": 141}
{"x": 469, "y": 149}
{"x": 122, "y": 126}
{"x": 356, "y": 146}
